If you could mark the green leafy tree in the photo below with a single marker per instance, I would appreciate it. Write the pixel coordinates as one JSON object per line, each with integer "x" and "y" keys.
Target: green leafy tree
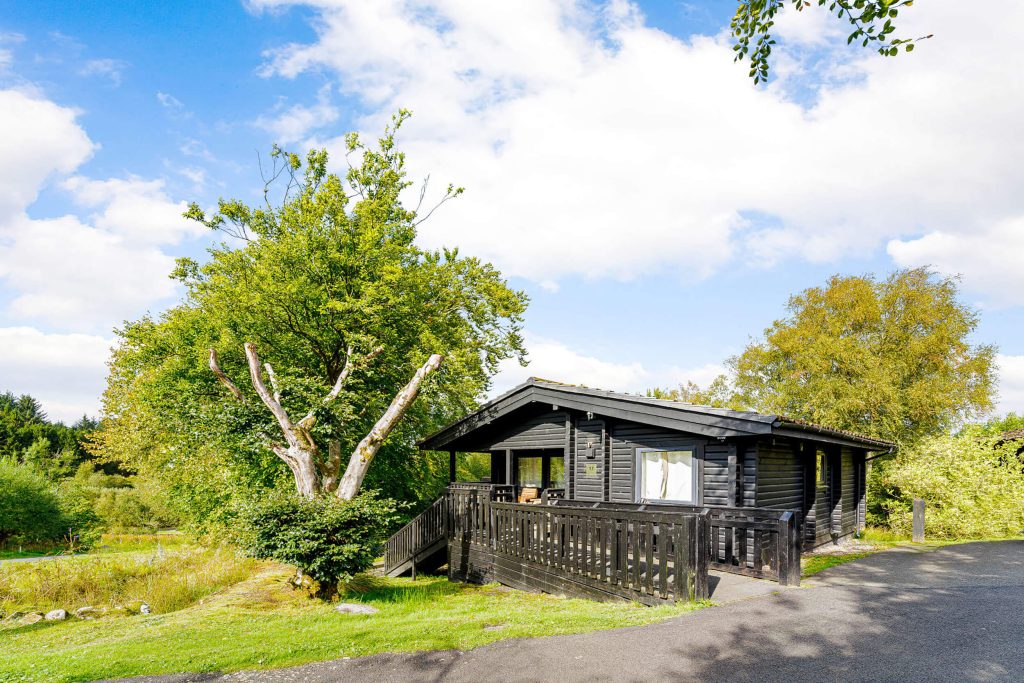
{"x": 973, "y": 484}
{"x": 718, "y": 394}
{"x": 887, "y": 358}
{"x": 870, "y": 22}
{"x": 327, "y": 282}
{"x": 26, "y": 434}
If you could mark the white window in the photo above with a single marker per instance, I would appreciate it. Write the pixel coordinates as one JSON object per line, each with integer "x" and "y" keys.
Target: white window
{"x": 667, "y": 475}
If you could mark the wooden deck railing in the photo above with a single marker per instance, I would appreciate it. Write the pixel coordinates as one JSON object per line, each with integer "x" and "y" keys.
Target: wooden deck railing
{"x": 758, "y": 542}
{"x": 647, "y": 556}
{"x": 644, "y": 552}
{"x": 423, "y": 531}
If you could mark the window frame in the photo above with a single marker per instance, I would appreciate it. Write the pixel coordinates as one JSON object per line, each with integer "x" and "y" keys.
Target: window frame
{"x": 696, "y": 470}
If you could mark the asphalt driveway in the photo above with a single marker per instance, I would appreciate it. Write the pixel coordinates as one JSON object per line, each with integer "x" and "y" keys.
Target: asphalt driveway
{"x": 953, "y": 614}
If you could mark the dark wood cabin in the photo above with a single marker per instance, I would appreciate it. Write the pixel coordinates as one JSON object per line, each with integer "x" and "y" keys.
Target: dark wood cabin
{"x": 590, "y": 445}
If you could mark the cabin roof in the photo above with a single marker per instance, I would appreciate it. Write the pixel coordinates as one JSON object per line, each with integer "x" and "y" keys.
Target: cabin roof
{"x": 684, "y": 417}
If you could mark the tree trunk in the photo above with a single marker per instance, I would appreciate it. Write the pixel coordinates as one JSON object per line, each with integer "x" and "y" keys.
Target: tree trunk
{"x": 363, "y": 455}
{"x": 303, "y": 466}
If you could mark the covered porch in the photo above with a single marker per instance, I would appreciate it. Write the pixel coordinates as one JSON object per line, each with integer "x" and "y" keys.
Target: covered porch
{"x": 524, "y": 475}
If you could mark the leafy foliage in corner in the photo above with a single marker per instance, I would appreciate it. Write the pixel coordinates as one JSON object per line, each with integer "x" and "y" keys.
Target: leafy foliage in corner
{"x": 328, "y": 539}
{"x": 972, "y": 483}
{"x": 871, "y": 22}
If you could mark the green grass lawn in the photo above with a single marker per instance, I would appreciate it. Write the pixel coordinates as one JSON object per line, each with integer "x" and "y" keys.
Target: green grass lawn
{"x": 262, "y": 623}
{"x": 812, "y": 564}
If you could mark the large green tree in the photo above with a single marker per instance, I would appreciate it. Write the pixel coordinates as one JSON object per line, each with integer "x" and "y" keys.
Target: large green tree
{"x": 308, "y": 334}
{"x": 889, "y": 358}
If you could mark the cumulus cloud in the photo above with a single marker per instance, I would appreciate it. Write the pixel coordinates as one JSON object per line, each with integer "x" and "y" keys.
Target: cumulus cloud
{"x": 1011, "y": 384}
{"x": 991, "y": 259}
{"x": 76, "y": 276}
{"x": 64, "y": 371}
{"x": 593, "y": 144}
{"x": 41, "y": 139}
{"x": 553, "y": 360}
{"x": 78, "y": 272}
{"x": 292, "y": 124}
{"x": 136, "y": 210}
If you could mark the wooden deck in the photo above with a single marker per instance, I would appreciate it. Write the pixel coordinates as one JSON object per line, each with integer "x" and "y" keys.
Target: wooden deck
{"x": 645, "y": 553}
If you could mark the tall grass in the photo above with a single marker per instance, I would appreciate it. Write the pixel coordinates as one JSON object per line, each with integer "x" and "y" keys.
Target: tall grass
{"x": 166, "y": 582}
{"x": 125, "y": 543}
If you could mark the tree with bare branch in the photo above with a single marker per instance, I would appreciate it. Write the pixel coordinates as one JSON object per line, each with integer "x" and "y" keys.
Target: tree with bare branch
{"x": 321, "y": 295}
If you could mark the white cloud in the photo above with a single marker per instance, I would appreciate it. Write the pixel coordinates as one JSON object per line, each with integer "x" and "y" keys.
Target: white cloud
{"x": 136, "y": 210}
{"x": 991, "y": 259}
{"x": 553, "y": 360}
{"x": 40, "y": 139}
{"x": 292, "y": 124}
{"x": 1011, "y": 384}
{"x": 78, "y": 273}
{"x": 76, "y": 276}
{"x": 64, "y": 371}
{"x": 169, "y": 101}
{"x": 593, "y": 144}
{"x": 111, "y": 69}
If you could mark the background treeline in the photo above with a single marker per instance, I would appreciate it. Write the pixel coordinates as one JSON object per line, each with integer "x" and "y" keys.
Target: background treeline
{"x": 54, "y": 491}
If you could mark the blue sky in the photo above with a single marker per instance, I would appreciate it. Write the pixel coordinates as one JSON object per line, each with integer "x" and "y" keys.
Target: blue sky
{"x": 657, "y": 207}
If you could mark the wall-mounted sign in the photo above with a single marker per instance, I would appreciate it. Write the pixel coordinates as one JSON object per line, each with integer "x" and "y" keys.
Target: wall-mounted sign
{"x": 590, "y": 469}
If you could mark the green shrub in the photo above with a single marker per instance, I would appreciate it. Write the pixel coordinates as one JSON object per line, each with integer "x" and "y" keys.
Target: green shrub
{"x": 33, "y": 510}
{"x": 327, "y": 539}
{"x": 30, "y": 510}
{"x": 142, "y": 506}
{"x": 972, "y": 483}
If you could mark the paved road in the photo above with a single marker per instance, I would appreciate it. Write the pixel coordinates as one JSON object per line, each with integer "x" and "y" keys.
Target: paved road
{"x": 41, "y": 558}
{"x": 954, "y": 614}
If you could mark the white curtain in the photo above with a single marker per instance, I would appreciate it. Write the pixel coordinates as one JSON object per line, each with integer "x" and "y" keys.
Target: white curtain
{"x": 667, "y": 475}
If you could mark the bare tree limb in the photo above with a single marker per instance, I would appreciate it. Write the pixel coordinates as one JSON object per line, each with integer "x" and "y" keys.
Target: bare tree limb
{"x": 224, "y": 379}
{"x": 371, "y": 443}
{"x": 256, "y": 373}
{"x": 273, "y": 382}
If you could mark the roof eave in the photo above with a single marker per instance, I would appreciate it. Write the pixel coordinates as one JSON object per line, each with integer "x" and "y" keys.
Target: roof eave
{"x": 796, "y": 429}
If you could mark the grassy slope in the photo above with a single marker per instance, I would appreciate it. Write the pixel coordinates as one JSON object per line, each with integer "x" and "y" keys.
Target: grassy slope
{"x": 264, "y": 623}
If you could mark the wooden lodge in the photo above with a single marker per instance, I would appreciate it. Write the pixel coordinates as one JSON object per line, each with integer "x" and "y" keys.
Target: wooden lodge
{"x": 609, "y": 495}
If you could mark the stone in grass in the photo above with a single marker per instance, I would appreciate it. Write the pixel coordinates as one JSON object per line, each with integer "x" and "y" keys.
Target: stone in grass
{"x": 30, "y": 618}
{"x": 88, "y": 612}
{"x": 145, "y": 609}
{"x": 56, "y": 615}
{"x": 355, "y": 608}
{"x": 495, "y": 627}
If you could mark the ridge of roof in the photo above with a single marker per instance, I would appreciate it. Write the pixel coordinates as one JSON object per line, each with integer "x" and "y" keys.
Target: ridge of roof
{"x": 770, "y": 421}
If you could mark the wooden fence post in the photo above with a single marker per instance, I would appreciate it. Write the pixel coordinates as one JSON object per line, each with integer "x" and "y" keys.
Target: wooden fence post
{"x": 702, "y": 550}
{"x": 788, "y": 549}
{"x": 918, "y": 536}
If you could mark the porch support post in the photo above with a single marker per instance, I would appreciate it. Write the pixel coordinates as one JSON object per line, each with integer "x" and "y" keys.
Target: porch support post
{"x": 451, "y": 467}
{"x": 508, "y": 466}
{"x": 733, "y": 495}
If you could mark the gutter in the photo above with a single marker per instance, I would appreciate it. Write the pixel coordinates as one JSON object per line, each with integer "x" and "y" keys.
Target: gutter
{"x": 815, "y": 429}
